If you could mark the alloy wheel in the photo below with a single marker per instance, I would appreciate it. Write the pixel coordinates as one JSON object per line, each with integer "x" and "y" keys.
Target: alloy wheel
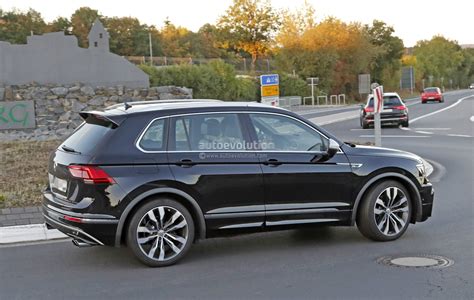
{"x": 391, "y": 211}
{"x": 162, "y": 233}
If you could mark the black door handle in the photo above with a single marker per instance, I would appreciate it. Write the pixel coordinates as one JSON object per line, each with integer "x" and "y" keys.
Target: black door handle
{"x": 185, "y": 162}
{"x": 272, "y": 162}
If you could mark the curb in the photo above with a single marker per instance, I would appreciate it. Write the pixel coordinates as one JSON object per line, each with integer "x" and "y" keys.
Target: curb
{"x": 39, "y": 232}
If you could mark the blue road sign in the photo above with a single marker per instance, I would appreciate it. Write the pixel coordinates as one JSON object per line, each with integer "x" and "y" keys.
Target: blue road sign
{"x": 270, "y": 79}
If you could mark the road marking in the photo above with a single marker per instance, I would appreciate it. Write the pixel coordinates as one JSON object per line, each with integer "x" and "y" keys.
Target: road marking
{"x": 441, "y": 110}
{"x": 357, "y": 129}
{"x": 460, "y": 135}
{"x": 432, "y": 128}
{"x": 396, "y": 136}
{"x": 405, "y": 128}
{"x": 423, "y": 132}
{"x": 472, "y": 119}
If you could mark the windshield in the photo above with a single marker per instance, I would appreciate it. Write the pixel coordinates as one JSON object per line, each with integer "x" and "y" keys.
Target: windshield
{"x": 431, "y": 90}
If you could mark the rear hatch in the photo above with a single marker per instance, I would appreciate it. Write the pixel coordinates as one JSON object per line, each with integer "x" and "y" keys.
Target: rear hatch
{"x": 77, "y": 150}
{"x": 392, "y": 107}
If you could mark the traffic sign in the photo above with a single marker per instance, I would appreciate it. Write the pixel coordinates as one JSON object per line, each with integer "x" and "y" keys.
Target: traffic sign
{"x": 270, "y": 90}
{"x": 269, "y": 79}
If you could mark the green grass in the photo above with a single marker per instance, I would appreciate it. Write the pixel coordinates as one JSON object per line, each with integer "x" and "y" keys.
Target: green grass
{"x": 23, "y": 172}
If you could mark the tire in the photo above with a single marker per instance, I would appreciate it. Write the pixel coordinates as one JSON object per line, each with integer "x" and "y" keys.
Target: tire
{"x": 365, "y": 125}
{"x": 371, "y": 213}
{"x": 405, "y": 123}
{"x": 153, "y": 243}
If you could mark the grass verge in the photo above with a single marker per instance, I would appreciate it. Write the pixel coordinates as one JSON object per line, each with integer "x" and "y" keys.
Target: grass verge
{"x": 23, "y": 172}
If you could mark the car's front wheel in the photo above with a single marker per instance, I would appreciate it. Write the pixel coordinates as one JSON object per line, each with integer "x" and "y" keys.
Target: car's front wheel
{"x": 160, "y": 232}
{"x": 385, "y": 211}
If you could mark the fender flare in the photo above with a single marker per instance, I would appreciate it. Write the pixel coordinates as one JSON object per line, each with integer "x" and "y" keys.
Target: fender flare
{"x": 412, "y": 188}
{"x": 200, "y": 216}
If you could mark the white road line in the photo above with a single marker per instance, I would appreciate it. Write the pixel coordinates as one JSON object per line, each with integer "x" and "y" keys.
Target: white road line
{"x": 423, "y": 132}
{"x": 396, "y": 136}
{"x": 432, "y": 128}
{"x": 460, "y": 135}
{"x": 472, "y": 119}
{"x": 357, "y": 129}
{"x": 441, "y": 110}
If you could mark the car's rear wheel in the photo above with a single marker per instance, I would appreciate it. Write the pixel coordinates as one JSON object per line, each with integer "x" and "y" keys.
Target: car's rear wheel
{"x": 385, "y": 211}
{"x": 364, "y": 124}
{"x": 160, "y": 232}
{"x": 405, "y": 123}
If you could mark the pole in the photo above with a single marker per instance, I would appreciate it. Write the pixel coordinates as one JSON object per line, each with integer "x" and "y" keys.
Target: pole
{"x": 378, "y": 130}
{"x": 151, "y": 49}
{"x": 312, "y": 90}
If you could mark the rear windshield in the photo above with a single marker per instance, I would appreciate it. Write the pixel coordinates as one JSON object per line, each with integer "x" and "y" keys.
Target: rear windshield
{"x": 387, "y": 101}
{"x": 86, "y": 137}
{"x": 431, "y": 90}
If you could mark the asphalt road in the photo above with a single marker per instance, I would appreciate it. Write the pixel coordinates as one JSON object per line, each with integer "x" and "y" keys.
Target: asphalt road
{"x": 320, "y": 263}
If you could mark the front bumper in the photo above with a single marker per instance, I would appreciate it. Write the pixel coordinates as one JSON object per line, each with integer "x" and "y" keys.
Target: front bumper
{"x": 427, "y": 198}
{"x": 87, "y": 229}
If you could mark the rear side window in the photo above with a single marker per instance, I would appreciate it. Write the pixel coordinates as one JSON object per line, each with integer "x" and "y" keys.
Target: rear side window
{"x": 153, "y": 138}
{"x": 214, "y": 132}
{"x": 87, "y": 137}
{"x": 387, "y": 101}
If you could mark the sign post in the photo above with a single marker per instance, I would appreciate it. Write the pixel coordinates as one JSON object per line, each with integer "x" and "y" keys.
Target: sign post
{"x": 313, "y": 81}
{"x": 377, "y": 91}
{"x": 270, "y": 89}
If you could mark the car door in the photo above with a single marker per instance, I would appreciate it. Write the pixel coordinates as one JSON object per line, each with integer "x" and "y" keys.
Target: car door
{"x": 208, "y": 157}
{"x": 300, "y": 185}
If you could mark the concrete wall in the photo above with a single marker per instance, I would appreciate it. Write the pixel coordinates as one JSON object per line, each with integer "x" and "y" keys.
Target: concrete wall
{"x": 54, "y": 58}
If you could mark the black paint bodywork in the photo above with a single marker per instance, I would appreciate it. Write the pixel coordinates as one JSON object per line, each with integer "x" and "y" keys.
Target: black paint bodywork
{"x": 225, "y": 193}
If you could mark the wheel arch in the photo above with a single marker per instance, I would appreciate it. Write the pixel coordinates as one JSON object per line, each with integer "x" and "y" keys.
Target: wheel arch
{"x": 189, "y": 202}
{"x": 407, "y": 183}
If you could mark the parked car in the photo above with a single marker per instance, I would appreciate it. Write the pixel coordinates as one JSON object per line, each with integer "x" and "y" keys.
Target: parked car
{"x": 394, "y": 111}
{"x": 471, "y": 86}
{"x": 432, "y": 94}
{"x": 159, "y": 176}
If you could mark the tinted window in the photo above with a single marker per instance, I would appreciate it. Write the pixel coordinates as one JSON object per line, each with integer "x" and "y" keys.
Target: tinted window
{"x": 86, "y": 137}
{"x": 207, "y": 132}
{"x": 152, "y": 139}
{"x": 387, "y": 101}
{"x": 279, "y": 133}
{"x": 431, "y": 90}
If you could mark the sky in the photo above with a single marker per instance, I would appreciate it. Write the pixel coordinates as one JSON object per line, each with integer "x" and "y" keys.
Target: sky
{"x": 412, "y": 20}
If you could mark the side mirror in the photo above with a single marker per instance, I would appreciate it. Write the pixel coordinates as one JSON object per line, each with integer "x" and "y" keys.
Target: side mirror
{"x": 333, "y": 148}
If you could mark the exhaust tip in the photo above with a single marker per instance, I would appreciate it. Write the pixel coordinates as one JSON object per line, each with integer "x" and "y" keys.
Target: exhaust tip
{"x": 80, "y": 244}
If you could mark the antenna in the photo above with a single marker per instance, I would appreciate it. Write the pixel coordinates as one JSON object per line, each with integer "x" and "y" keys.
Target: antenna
{"x": 127, "y": 106}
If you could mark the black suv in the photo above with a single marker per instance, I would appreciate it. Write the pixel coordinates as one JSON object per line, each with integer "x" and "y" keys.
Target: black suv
{"x": 158, "y": 176}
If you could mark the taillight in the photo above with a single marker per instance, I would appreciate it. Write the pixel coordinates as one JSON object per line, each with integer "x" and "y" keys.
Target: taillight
{"x": 369, "y": 109}
{"x": 90, "y": 174}
{"x": 400, "y": 107}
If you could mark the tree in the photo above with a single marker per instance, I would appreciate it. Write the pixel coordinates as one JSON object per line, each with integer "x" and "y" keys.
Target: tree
{"x": 60, "y": 24}
{"x": 81, "y": 21}
{"x": 438, "y": 57}
{"x": 251, "y": 25}
{"x": 389, "y": 51}
{"x": 127, "y": 36}
{"x": 15, "y": 25}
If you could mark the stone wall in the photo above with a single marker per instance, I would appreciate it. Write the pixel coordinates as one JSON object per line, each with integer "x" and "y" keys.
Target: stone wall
{"x": 56, "y": 107}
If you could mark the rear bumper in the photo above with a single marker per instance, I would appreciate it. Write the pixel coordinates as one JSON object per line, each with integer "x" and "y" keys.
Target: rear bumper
{"x": 396, "y": 119}
{"x": 85, "y": 228}
{"x": 427, "y": 198}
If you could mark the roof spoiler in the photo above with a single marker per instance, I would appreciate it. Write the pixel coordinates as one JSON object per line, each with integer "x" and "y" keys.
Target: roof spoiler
{"x": 99, "y": 118}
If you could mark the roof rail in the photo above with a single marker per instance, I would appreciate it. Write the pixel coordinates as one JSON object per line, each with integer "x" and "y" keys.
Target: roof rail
{"x": 133, "y": 103}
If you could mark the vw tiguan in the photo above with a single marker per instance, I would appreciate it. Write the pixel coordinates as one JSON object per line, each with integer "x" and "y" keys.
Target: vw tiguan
{"x": 157, "y": 176}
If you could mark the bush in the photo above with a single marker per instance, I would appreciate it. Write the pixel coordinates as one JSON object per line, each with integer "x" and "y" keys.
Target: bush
{"x": 216, "y": 80}
{"x": 293, "y": 86}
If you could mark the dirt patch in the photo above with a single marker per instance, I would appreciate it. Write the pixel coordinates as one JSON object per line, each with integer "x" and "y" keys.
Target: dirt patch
{"x": 23, "y": 171}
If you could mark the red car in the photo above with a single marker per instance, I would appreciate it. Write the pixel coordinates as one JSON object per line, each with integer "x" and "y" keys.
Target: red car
{"x": 432, "y": 94}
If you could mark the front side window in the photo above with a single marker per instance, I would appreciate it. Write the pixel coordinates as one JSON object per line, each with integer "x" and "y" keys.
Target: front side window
{"x": 153, "y": 138}
{"x": 280, "y": 133}
{"x": 211, "y": 132}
